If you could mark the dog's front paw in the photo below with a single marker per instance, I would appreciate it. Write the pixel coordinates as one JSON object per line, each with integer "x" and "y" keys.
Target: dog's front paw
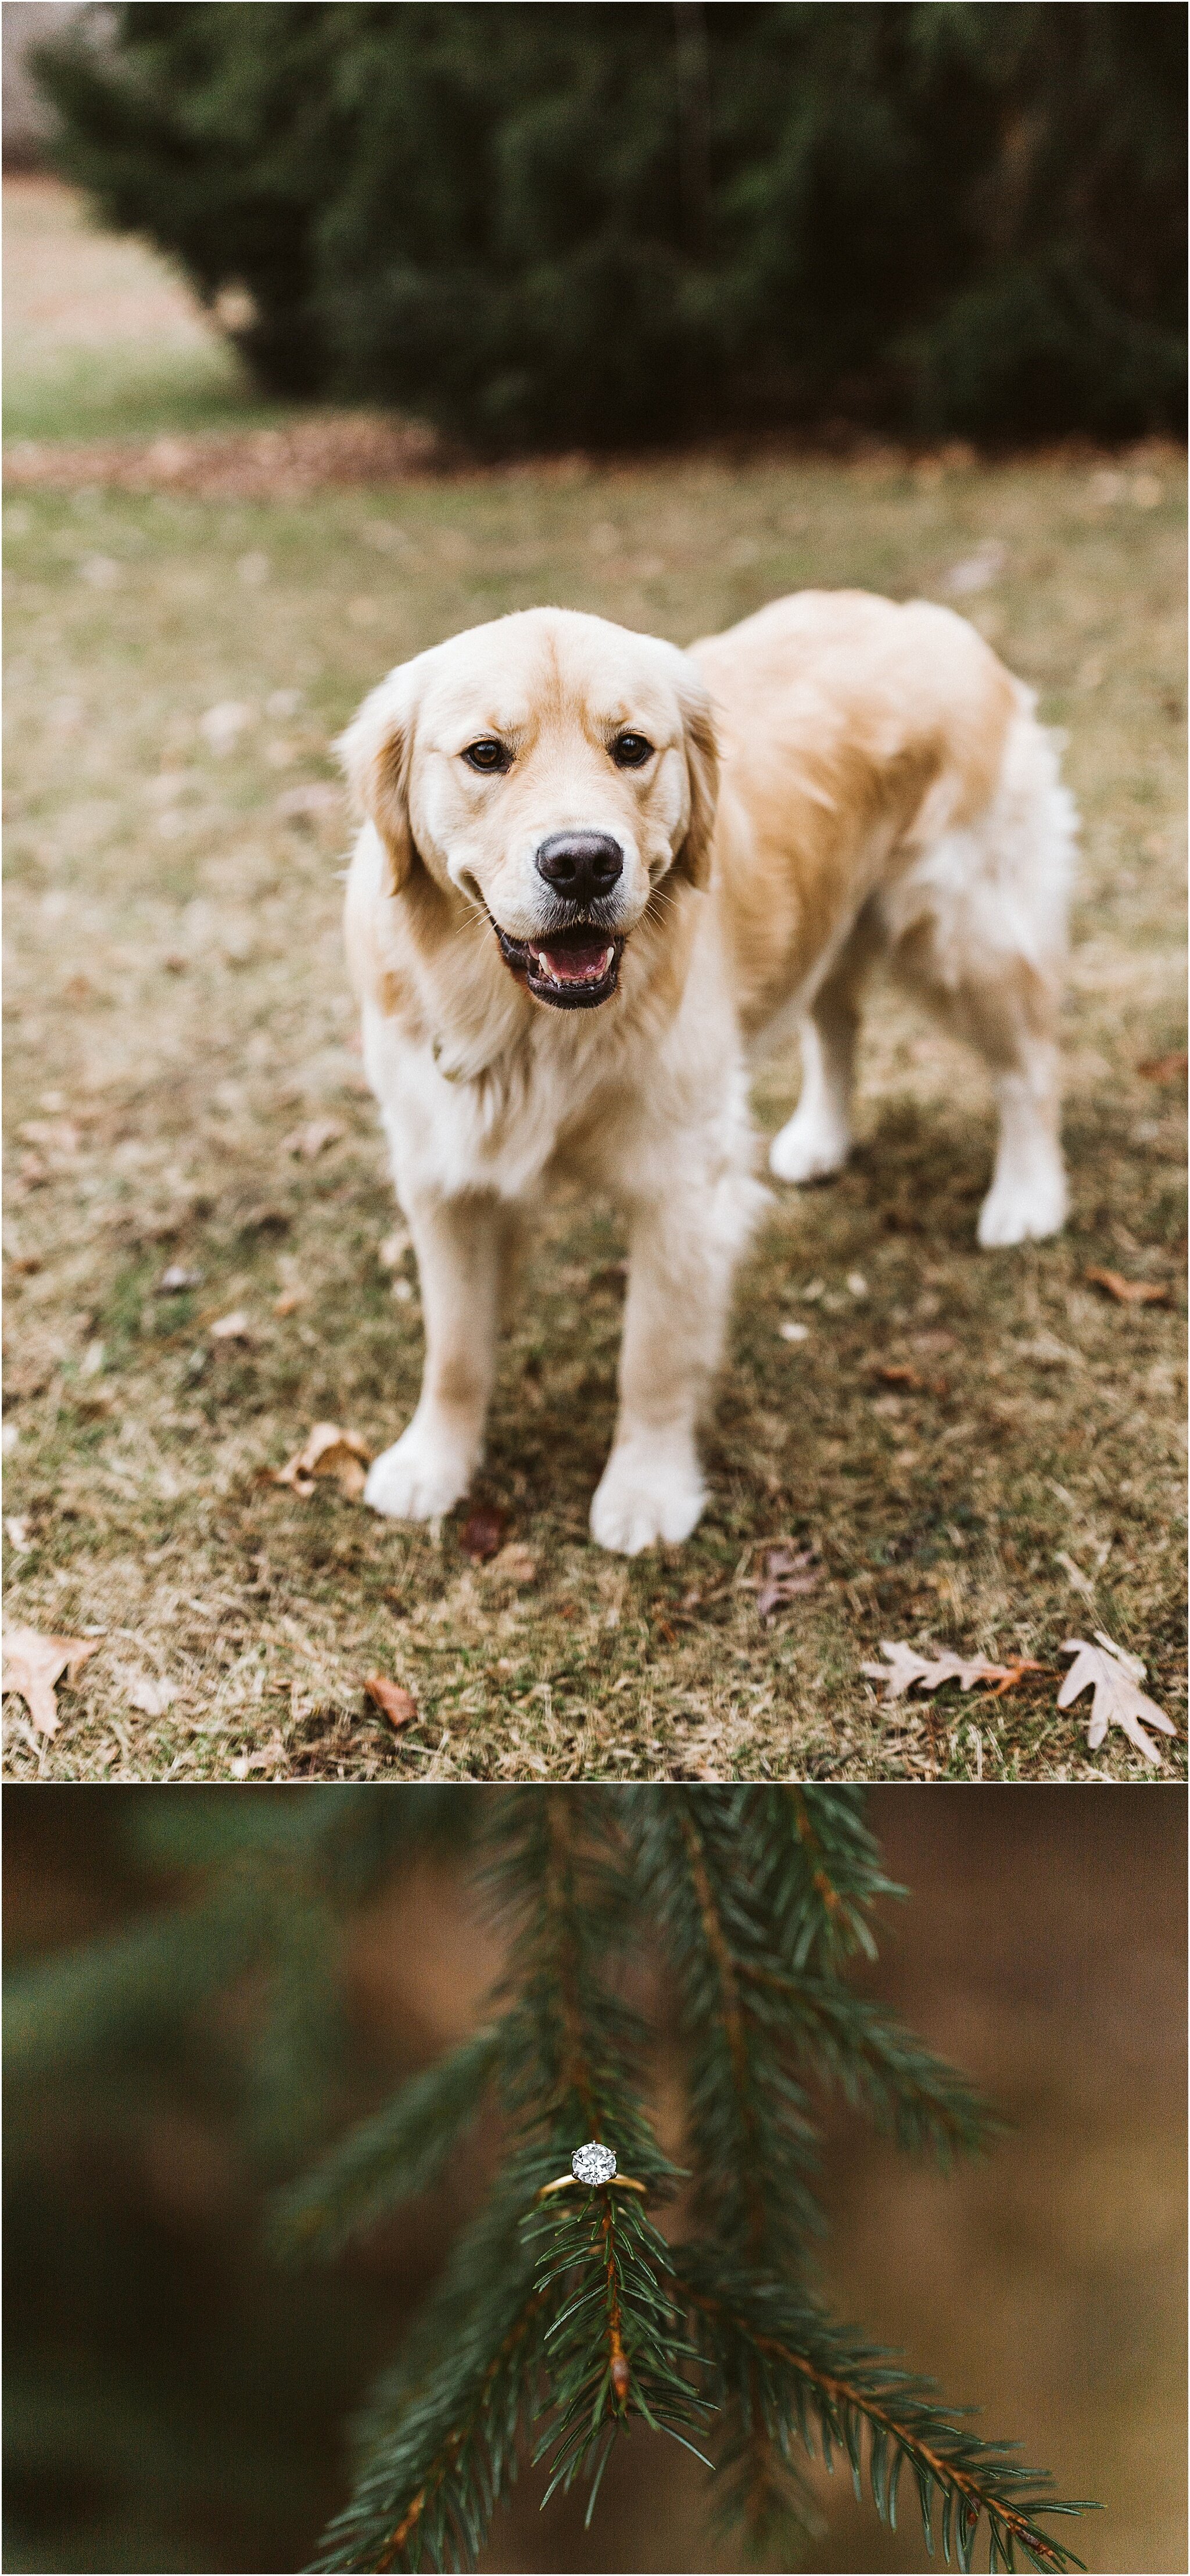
{"x": 1023, "y": 1207}
{"x": 647, "y": 1493}
{"x": 420, "y": 1477}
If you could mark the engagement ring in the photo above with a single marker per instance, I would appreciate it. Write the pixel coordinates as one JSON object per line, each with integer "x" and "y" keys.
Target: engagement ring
{"x": 591, "y": 2166}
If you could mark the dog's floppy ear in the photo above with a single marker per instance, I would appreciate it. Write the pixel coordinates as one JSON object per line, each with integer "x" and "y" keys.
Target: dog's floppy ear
{"x": 375, "y": 752}
{"x": 693, "y": 855}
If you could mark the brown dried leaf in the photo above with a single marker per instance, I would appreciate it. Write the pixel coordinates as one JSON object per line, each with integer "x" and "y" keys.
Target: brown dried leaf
{"x": 483, "y": 1532}
{"x": 33, "y": 1664}
{"x": 1131, "y": 1292}
{"x": 395, "y": 1703}
{"x": 329, "y": 1451}
{"x": 788, "y": 1572}
{"x": 1113, "y": 1676}
{"x": 1164, "y": 1068}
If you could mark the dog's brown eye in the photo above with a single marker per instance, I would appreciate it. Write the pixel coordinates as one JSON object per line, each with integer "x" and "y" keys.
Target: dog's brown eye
{"x": 487, "y": 755}
{"x": 630, "y": 751}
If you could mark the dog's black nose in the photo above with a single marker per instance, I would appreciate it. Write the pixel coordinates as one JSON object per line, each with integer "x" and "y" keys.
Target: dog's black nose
{"x": 580, "y": 866}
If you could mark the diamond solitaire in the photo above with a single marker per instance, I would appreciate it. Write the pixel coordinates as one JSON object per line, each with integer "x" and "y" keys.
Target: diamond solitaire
{"x": 593, "y": 2164}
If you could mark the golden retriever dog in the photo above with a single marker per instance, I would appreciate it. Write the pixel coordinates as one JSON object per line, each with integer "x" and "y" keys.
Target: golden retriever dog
{"x": 595, "y": 873}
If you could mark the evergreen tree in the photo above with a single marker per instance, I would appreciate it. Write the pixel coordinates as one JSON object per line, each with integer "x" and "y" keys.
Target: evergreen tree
{"x": 567, "y": 2319}
{"x": 593, "y": 224}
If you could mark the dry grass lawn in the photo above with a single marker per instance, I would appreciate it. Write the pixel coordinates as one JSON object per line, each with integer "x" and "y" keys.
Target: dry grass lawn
{"x": 178, "y": 1012}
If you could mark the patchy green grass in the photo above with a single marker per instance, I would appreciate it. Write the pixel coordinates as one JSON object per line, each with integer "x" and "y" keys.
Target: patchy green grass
{"x": 101, "y": 336}
{"x": 178, "y": 1006}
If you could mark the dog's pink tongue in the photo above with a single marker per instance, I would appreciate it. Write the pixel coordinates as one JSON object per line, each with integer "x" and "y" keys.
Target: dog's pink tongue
{"x": 577, "y": 965}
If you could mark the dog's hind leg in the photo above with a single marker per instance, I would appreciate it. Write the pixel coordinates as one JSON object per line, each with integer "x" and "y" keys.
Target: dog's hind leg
{"x": 982, "y": 943}
{"x": 461, "y": 1244}
{"x": 816, "y": 1141}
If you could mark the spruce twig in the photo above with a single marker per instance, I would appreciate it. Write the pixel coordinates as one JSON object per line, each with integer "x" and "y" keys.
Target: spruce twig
{"x": 800, "y": 2371}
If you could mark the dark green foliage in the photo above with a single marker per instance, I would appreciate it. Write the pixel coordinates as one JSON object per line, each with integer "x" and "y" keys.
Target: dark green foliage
{"x": 561, "y": 2324}
{"x": 615, "y": 2348}
{"x": 789, "y": 2371}
{"x": 593, "y": 224}
{"x": 389, "y": 2158}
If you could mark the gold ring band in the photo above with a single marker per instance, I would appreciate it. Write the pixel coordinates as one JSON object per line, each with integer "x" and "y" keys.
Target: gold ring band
{"x": 570, "y": 2182}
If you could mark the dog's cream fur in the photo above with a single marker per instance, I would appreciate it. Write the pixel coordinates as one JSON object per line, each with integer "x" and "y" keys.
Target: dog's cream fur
{"x": 835, "y": 779}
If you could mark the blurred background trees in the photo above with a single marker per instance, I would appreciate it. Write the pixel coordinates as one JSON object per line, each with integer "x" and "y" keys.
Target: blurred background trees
{"x": 593, "y": 225}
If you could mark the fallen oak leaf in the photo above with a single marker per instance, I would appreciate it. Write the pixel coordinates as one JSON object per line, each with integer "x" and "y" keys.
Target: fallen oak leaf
{"x": 394, "y": 1702}
{"x": 1113, "y": 1676}
{"x": 1131, "y": 1292}
{"x": 33, "y": 1664}
{"x": 905, "y": 1667}
{"x": 788, "y": 1572}
{"x": 328, "y": 1451}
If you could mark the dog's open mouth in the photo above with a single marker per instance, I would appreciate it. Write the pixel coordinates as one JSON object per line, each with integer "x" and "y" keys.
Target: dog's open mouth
{"x": 573, "y": 969}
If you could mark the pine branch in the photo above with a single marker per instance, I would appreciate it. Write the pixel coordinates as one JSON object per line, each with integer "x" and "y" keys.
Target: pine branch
{"x": 760, "y": 2499}
{"x": 780, "y": 2359}
{"x": 438, "y": 2444}
{"x": 573, "y": 2053}
{"x": 389, "y": 2158}
{"x": 824, "y": 1875}
{"x": 613, "y": 2343}
{"x": 749, "y": 2136}
{"x": 909, "y": 2093}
